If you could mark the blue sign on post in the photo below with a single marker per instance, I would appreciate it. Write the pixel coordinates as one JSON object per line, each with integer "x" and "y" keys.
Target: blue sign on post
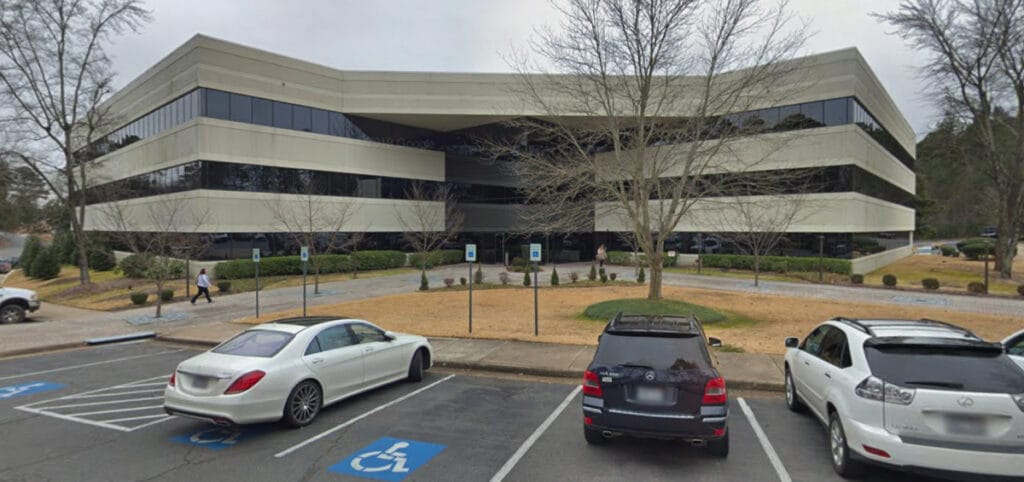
{"x": 471, "y": 253}
{"x": 534, "y": 251}
{"x": 27, "y": 389}
{"x": 388, "y": 459}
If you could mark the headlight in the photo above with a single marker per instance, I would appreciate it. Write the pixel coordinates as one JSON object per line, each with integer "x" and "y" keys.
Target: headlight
{"x": 34, "y": 297}
{"x": 875, "y": 389}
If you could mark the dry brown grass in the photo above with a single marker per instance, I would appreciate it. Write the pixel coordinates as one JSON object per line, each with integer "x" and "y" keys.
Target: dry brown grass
{"x": 508, "y": 314}
{"x": 953, "y": 273}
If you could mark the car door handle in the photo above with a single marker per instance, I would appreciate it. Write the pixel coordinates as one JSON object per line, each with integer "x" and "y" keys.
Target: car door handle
{"x": 807, "y": 363}
{"x": 367, "y": 349}
{"x": 318, "y": 360}
{"x": 828, "y": 375}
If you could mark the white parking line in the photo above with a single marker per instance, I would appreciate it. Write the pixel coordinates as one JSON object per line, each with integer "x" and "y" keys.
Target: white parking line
{"x": 128, "y": 419}
{"x": 765, "y": 443}
{"x": 107, "y": 397}
{"x": 107, "y": 402}
{"x": 120, "y": 410}
{"x": 525, "y": 447}
{"x": 85, "y": 365}
{"x": 356, "y": 419}
{"x": 115, "y": 394}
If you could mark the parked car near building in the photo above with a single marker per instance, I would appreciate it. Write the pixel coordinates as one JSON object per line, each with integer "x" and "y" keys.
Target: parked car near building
{"x": 15, "y": 303}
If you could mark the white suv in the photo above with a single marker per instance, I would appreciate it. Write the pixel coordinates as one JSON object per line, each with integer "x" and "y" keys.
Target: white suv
{"x": 910, "y": 394}
{"x": 15, "y": 302}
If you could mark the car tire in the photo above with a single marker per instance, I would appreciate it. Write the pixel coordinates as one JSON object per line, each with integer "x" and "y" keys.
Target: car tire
{"x": 792, "y": 398}
{"x": 719, "y": 447}
{"x": 842, "y": 460}
{"x": 416, "y": 367}
{"x": 12, "y": 314}
{"x": 593, "y": 437}
{"x": 303, "y": 404}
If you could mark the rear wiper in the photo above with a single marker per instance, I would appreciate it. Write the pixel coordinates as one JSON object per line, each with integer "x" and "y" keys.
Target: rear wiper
{"x": 934, "y": 383}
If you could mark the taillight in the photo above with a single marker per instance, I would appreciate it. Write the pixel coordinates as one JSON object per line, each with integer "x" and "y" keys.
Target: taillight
{"x": 714, "y": 392}
{"x": 592, "y": 384}
{"x": 171, "y": 381}
{"x": 875, "y": 389}
{"x": 245, "y": 382}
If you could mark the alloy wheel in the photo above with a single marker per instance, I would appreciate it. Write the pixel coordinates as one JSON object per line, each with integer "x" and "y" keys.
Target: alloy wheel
{"x": 789, "y": 389}
{"x": 305, "y": 404}
{"x": 837, "y": 440}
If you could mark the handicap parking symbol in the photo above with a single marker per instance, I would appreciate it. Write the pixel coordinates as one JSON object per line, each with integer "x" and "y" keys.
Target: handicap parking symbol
{"x": 388, "y": 459}
{"x": 216, "y": 438}
{"x": 27, "y": 389}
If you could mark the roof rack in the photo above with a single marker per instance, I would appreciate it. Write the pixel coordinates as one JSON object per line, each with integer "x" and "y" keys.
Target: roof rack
{"x": 854, "y": 323}
{"x": 948, "y": 325}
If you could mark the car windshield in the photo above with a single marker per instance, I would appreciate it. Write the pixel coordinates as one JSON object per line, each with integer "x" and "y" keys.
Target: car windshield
{"x": 946, "y": 368}
{"x": 261, "y": 343}
{"x": 658, "y": 352}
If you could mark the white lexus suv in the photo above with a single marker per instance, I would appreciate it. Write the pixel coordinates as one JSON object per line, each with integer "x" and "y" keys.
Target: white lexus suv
{"x": 917, "y": 395}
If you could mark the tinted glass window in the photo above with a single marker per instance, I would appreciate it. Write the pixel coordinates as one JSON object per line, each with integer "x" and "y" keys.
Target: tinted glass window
{"x": 837, "y": 112}
{"x": 314, "y": 347}
{"x": 262, "y": 112}
{"x": 301, "y": 118}
{"x": 241, "y": 108}
{"x": 812, "y": 344}
{"x": 335, "y": 337}
{"x": 814, "y": 112}
{"x": 282, "y": 115}
{"x": 336, "y": 124}
{"x": 657, "y": 352}
{"x": 320, "y": 121}
{"x": 218, "y": 104}
{"x": 833, "y": 348}
{"x": 946, "y": 369}
{"x": 1016, "y": 346}
{"x": 261, "y": 343}
{"x": 367, "y": 333}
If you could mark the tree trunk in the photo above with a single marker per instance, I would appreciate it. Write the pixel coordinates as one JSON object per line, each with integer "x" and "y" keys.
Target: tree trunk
{"x": 76, "y": 206}
{"x": 81, "y": 245}
{"x": 316, "y": 276}
{"x": 757, "y": 268}
{"x": 159, "y": 297}
{"x": 1006, "y": 241}
{"x": 654, "y": 290}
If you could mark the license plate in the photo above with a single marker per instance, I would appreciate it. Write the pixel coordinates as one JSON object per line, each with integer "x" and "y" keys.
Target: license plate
{"x": 200, "y": 382}
{"x": 965, "y": 425}
{"x": 650, "y": 394}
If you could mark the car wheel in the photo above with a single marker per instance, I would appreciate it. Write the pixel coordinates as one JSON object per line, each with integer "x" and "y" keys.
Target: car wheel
{"x": 12, "y": 314}
{"x": 719, "y": 447}
{"x": 593, "y": 437}
{"x": 416, "y": 367}
{"x": 303, "y": 404}
{"x": 842, "y": 462}
{"x": 792, "y": 399}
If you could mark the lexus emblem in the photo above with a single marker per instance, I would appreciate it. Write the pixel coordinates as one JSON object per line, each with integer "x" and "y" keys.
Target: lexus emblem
{"x": 965, "y": 402}
{"x": 649, "y": 376}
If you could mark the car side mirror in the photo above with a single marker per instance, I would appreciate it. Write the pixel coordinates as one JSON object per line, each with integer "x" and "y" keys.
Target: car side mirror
{"x": 715, "y": 342}
{"x": 389, "y": 336}
{"x": 792, "y": 342}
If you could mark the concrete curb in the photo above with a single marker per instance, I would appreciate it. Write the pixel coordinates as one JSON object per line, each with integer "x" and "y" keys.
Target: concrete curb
{"x": 187, "y": 341}
{"x": 41, "y": 349}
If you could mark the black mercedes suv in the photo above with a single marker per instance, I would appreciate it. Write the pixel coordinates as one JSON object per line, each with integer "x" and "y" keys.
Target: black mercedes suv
{"x": 655, "y": 377}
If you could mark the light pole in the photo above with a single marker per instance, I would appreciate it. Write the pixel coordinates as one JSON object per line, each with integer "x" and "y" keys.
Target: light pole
{"x": 821, "y": 258}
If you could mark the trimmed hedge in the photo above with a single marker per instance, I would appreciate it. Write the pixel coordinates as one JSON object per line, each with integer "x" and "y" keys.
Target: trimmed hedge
{"x": 780, "y": 264}
{"x": 889, "y": 280}
{"x": 930, "y": 283}
{"x": 167, "y": 295}
{"x": 224, "y": 286}
{"x": 292, "y": 265}
{"x": 857, "y": 279}
{"x": 977, "y": 287}
{"x": 437, "y": 258}
{"x": 974, "y": 251}
{"x": 949, "y": 250}
{"x": 625, "y": 258}
{"x": 135, "y": 266}
{"x": 1020, "y": 290}
{"x": 139, "y": 298}
{"x": 964, "y": 242}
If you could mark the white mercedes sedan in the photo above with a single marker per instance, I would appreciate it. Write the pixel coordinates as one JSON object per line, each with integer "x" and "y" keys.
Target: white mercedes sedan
{"x": 290, "y": 369}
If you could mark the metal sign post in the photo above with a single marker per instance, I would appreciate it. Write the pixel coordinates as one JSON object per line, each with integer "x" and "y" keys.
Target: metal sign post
{"x": 256, "y": 268}
{"x": 304, "y": 254}
{"x": 470, "y": 258}
{"x": 535, "y": 257}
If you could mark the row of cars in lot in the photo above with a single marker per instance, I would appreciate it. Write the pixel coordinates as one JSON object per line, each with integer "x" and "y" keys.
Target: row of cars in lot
{"x": 920, "y": 395}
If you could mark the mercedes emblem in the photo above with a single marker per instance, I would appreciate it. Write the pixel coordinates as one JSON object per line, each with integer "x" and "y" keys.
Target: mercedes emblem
{"x": 649, "y": 376}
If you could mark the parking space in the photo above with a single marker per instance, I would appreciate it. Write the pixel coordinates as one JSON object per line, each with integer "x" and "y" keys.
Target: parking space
{"x": 98, "y": 420}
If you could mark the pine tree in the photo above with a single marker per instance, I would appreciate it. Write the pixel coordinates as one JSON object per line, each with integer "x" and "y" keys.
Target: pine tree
{"x": 526, "y": 279}
{"x": 640, "y": 277}
{"x": 478, "y": 277}
{"x": 554, "y": 276}
{"x": 593, "y": 272}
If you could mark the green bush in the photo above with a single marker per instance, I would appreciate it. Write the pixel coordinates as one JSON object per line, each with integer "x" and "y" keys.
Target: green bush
{"x": 593, "y": 272}
{"x": 519, "y": 262}
{"x": 526, "y": 279}
{"x": 949, "y": 250}
{"x": 64, "y": 244}
{"x": 377, "y": 260}
{"x": 625, "y": 258}
{"x": 977, "y": 287}
{"x": 612, "y": 276}
{"x": 964, "y": 242}
{"x": 889, "y": 280}
{"x": 930, "y": 283}
{"x": 139, "y": 298}
{"x": 46, "y": 265}
{"x": 424, "y": 283}
{"x": 574, "y": 276}
{"x": 224, "y": 286}
{"x": 604, "y": 276}
{"x": 135, "y": 266}
{"x": 554, "y": 276}
{"x": 101, "y": 258}
{"x": 329, "y": 263}
{"x": 975, "y": 251}
{"x": 478, "y": 277}
{"x": 167, "y": 295}
{"x": 640, "y": 276}
{"x": 857, "y": 279}
{"x": 462, "y": 281}
{"x": 33, "y": 246}
{"x": 437, "y": 258}
{"x": 772, "y": 263}
{"x": 449, "y": 282}
{"x": 1020, "y": 290}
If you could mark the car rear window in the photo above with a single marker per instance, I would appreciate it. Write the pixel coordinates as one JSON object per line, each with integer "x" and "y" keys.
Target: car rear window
{"x": 658, "y": 352}
{"x": 946, "y": 368}
{"x": 261, "y": 343}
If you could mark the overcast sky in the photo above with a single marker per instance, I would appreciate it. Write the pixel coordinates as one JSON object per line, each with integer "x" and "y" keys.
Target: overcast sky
{"x": 465, "y": 35}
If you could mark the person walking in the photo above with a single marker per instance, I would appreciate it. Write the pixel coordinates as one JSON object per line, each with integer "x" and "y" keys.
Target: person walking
{"x": 203, "y": 287}
{"x": 602, "y": 255}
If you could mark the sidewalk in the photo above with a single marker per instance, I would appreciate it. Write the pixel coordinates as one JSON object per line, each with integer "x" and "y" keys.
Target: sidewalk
{"x": 744, "y": 371}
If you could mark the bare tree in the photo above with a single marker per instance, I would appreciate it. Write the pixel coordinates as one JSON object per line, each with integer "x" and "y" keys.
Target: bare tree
{"x": 636, "y": 110}
{"x": 975, "y": 60}
{"x": 755, "y": 211}
{"x": 428, "y": 221}
{"x": 315, "y": 220}
{"x": 156, "y": 231}
{"x": 54, "y": 77}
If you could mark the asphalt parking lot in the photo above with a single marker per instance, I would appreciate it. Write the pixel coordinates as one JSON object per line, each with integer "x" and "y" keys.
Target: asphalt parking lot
{"x": 94, "y": 415}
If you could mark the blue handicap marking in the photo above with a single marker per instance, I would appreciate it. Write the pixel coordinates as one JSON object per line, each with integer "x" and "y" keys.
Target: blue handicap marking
{"x": 388, "y": 458}
{"x": 217, "y": 438}
{"x": 27, "y": 389}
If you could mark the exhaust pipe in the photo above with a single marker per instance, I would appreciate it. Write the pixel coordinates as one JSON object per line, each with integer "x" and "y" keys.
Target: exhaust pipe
{"x": 698, "y": 443}
{"x": 607, "y": 434}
